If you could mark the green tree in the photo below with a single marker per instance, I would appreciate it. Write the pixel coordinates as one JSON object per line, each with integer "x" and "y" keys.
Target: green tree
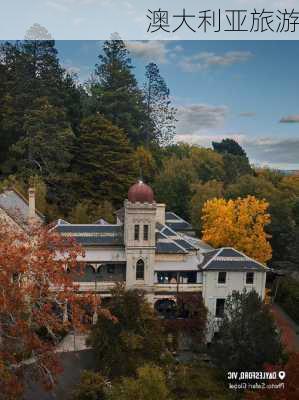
{"x": 31, "y": 69}
{"x": 161, "y": 115}
{"x": 281, "y": 196}
{"x": 207, "y": 164}
{"x": 248, "y": 336}
{"x": 105, "y": 161}
{"x": 92, "y": 386}
{"x": 134, "y": 338}
{"x": 48, "y": 144}
{"x": 150, "y": 384}
{"x": 235, "y": 160}
{"x": 201, "y": 193}
{"x": 229, "y": 146}
{"x": 173, "y": 185}
{"x": 145, "y": 162}
{"x": 116, "y": 94}
{"x": 87, "y": 212}
{"x": 80, "y": 213}
{"x": 197, "y": 381}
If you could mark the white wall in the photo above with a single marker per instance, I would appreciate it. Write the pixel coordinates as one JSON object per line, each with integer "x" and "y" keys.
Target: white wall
{"x": 235, "y": 280}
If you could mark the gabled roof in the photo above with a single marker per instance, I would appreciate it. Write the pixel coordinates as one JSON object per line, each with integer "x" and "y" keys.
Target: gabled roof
{"x": 16, "y": 206}
{"x": 93, "y": 234}
{"x": 229, "y": 259}
{"x": 177, "y": 238}
{"x": 120, "y": 213}
{"x": 177, "y": 223}
{"x": 198, "y": 243}
{"x": 62, "y": 222}
{"x": 102, "y": 221}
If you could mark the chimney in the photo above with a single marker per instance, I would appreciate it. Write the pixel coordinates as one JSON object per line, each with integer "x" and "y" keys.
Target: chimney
{"x": 160, "y": 213}
{"x": 31, "y": 210}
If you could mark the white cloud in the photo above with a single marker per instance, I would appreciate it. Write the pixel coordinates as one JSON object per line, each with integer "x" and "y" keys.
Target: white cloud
{"x": 276, "y": 153}
{"x": 66, "y": 5}
{"x": 197, "y": 117}
{"x": 273, "y": 151}
{"x": 204, "y": 60}
{"x": 290, "y": 119}
{"x": 149, "y": 50}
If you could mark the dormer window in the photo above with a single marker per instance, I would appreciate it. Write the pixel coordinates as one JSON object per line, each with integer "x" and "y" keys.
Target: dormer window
{"x": 136, "y": 232}
{"x": 145, "y": 232}
{"x": 140, "y": 270}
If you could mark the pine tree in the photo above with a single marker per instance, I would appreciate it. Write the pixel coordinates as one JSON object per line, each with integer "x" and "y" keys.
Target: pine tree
{"x": 105, "y": 160}
{"x": 31, "y": 69}
{"x": 48, "y": 144}
{"x": 161, "y": 115}
{"x": 116, "y": 92}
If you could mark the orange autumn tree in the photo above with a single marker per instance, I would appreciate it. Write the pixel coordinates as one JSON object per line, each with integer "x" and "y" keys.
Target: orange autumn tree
{"x": 34, "y": 289}
{"x": 238, "y": 223}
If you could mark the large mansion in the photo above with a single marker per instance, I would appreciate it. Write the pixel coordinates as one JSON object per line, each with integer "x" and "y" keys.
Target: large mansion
{"x": 148, "y": 248}
{"x": 155, "y": 250}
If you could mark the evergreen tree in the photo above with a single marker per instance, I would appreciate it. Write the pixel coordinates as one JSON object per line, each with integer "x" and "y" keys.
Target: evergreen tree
{"x": 48, "y": 144}
{"x": 161, "y": 115}
{"x": 229, "y": 146}
{"x": 235, "y": 159}
{"x": 105, "y": 160}
{"x": 31, "y": 69}
{"x": 116, "y": 92}
{"x": 248, "y": 336}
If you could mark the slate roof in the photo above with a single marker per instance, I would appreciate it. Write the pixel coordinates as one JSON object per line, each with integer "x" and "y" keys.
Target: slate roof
{"x": 171, "y": 215}
{"x": 16, "y": 206}
{"x": 177, "y": 223}
{"x": 166, "y": 233}
{"x": 229, "y": 259}
{"x": 198, "y": 243}
{"x": 165, "y": 245}
{"x": 93, "y": 235}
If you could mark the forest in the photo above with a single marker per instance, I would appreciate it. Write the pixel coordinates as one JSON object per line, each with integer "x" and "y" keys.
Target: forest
{"x": 83, "y": 144}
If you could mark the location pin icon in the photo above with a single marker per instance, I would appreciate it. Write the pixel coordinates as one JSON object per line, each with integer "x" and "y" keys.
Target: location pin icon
{"x": 281, "y": 375}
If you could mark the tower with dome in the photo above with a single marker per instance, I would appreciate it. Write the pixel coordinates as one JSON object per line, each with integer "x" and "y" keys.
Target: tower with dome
{"x": 155, "y": 250}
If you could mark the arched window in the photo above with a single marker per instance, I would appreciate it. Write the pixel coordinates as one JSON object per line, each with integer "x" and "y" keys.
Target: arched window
{"x": 140, "y": 270}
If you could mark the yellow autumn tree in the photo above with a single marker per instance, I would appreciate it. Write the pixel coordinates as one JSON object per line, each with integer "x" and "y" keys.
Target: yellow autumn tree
{"x": 240, "y": 224}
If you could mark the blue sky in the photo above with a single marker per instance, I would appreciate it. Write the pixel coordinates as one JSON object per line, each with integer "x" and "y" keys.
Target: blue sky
{"x": 246, "y": 90}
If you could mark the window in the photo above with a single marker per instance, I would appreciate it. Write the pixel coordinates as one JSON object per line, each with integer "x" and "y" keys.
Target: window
{"x": 222, "y": 277}
{"x": 249, "y": 278}
{"x": 176, "y": 277}
{"x": 140, "y": 270}
{"x": 220, "y": 308}
{"x": 136, "y": 232}
{"x": 145, "y": 232}
{"x": 111, "y": 269}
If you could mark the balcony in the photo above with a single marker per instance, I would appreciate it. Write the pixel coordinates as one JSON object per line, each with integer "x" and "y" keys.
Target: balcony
{"x": 99, "y": 276}
{"x": 177, "y": 288}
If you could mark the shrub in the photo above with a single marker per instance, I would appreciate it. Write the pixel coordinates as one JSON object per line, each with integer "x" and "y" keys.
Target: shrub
{"x": 288, "y": 297}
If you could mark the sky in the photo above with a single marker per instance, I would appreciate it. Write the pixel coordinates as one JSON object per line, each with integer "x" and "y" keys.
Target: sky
{"x": 96, "y": 19}
{"x": 245, "y": 90}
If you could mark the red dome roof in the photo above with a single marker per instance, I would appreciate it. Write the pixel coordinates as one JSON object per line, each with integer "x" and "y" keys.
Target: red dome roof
{"x": 140, "y": 192}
